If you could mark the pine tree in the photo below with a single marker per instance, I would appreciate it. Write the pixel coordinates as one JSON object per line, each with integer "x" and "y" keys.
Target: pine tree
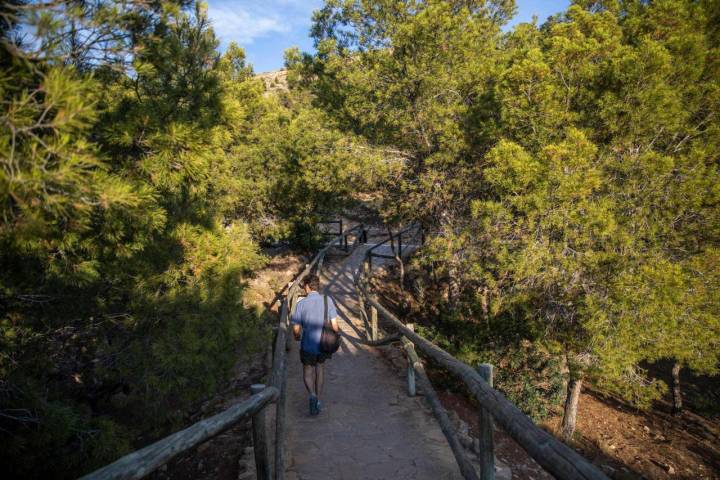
{"x": 565, "y": 168}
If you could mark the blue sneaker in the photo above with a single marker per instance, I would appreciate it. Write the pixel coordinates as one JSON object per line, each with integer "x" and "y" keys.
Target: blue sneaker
{"x": 314, "y": 405}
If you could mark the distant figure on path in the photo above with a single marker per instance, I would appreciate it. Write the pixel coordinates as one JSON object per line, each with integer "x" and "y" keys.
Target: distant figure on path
{"x": 307, "y": 322}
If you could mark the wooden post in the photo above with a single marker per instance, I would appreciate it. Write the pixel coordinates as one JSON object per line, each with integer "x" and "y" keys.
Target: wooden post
{"x": 280, "y": 423}
{"x": 487, "y": 444}
{"x": 412, "y": 391}
{"x": 285, "y": 321}
{"x": 293, "y": 300}
{"x": 363, "y": 312}
{"x": 373, "y": 323}
{"x": 260, "y": 439}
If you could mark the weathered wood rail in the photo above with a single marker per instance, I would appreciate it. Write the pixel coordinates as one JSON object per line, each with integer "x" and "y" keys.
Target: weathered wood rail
{"x": 142, "y": 462}
{"x": 342, "y": 233}
{"x": 556, "y": 457}
{"x": 553, "y": 455}
{"x": 390, "y": 240}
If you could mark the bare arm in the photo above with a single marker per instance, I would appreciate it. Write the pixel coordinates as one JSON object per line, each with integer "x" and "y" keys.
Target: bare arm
{"x": 334, "y": 324}
{"x": 297, "y": 330}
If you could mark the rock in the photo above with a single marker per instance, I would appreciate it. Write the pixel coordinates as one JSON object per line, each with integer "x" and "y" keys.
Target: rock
{"x": 607, "y": 469}
{"x": 454, "y": 419}
{"x": 502, "y": 471}
{"x": 664, "y": 465}
{"x": 246, "y": 464}
{"x": 463, "y": 428}
{"x": 465, "y": 440}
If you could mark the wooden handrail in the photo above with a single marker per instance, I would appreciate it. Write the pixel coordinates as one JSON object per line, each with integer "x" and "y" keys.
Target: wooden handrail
{"x": 138, "y": 464}
{"x": 553, "y": 455}
{"x": 405, "y": 230}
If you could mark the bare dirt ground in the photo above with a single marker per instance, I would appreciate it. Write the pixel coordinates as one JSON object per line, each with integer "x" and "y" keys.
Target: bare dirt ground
{"x": 626, "y": 443}
{"x": 229, "y": 455}
{"x": 635, "y": 444}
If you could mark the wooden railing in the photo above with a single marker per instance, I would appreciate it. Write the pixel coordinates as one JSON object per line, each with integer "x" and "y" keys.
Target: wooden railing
{"x": 142, "y": 462}
{"x": 340, "y": 232}
{"x": 415, "y": 230}
{"x": 556, "y": 457}
{"x": 553, "y": 455}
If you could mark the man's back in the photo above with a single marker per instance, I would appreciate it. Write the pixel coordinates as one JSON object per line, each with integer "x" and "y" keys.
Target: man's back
{"x": 309, "y": 314}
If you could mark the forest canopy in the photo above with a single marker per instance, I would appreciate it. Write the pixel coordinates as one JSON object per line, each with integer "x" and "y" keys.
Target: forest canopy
{"x": 568, "y": 171}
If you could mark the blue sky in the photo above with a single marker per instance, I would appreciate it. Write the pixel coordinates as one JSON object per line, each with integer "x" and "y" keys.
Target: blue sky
{"x": 265, "y": 28}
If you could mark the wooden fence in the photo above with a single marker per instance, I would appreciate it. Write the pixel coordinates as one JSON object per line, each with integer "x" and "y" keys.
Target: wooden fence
{"x": 341, "y": 232}
{"x": 553, "y": 455}
{"x": 412, "y": 231}
{"x": 556, "y": 457}
{"x": 142, "y": 462}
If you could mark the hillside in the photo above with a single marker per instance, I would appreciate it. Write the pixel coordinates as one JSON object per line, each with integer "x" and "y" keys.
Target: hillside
{"x": 274, "y": 81}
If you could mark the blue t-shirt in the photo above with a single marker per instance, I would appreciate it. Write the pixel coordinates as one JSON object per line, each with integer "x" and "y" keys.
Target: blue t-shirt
{"x": 309, "y": 314}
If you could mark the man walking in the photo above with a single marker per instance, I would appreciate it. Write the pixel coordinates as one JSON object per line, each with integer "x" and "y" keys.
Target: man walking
{"x": 307, "y": 322}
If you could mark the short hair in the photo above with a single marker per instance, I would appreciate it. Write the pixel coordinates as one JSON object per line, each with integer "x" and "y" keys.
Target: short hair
{"x": 312, "y": 281}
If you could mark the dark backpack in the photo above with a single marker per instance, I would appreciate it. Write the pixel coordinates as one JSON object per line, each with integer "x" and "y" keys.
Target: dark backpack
{"x": 329, "y": 339}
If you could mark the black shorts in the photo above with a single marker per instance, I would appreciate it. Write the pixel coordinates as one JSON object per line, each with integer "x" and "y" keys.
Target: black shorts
{"x": 313, "y": 359}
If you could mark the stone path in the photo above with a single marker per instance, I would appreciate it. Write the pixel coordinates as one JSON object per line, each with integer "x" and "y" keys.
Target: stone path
{"x": 369, "y": 427}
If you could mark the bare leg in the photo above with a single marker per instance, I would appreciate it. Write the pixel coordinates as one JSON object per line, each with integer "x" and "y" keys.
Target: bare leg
{"x": 319, "y": 378}
{"x": 309, "y": 378}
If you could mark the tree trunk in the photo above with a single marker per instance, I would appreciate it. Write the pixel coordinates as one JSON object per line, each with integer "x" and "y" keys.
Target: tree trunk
{"x": 401, "y": 264}
{"x": 565, "y": 372}
{"x": 677, "y": 393}
{"x": 571, "y": 405}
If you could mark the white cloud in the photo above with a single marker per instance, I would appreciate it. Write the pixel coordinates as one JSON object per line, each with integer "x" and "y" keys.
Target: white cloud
{"x": 240, "y": 25}
{"x": 245, "y": 21}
